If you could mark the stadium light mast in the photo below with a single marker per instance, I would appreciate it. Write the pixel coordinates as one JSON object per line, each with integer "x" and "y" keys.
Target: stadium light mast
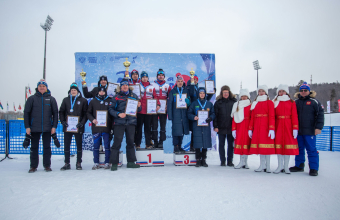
{"x": 257, "y": 67}
{"x": 46, "y": 27}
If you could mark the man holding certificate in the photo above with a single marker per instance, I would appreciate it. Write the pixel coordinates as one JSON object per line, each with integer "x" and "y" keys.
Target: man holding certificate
{"x": 124, "y": 110}
{"x": 162, "y": 91}
{"x": 97, "y": 113}
{"x": 177, "y": 113}
{"x": 149, "y": 110}
{"x": 72, "y": 115}
{"x": 201, "y": 112}
{"x": 193, "y": 92}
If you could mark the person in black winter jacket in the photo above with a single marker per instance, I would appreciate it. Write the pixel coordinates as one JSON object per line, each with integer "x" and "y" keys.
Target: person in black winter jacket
{"x": 123, "y": 124}
{"x": 101, "y": 83}
{"x": 73, "y": 105}
{"x": 41, "y": 118}
{"x": 101, "y": 102}
{"x": 222, "y": 124}
{"x": 311, "y": 122}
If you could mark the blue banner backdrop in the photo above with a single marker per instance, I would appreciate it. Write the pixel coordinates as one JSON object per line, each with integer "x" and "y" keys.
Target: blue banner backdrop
{"x": 111, "y": 65}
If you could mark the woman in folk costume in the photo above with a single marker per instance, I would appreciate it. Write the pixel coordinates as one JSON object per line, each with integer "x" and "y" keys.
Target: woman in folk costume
{"x": 287, "y": 126}
{"x": 241, "y": 118}
{"x": 262, "y": 128}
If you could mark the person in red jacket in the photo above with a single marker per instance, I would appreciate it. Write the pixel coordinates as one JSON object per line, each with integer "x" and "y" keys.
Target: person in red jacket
{"x": 162, "y": 91}
{"x": 286, "y": 128}
{"x": 241, "y": 119}
{"x": 134, "y": 78}
{"x": 262, "y": 128}
{"x": 147, "y": 92}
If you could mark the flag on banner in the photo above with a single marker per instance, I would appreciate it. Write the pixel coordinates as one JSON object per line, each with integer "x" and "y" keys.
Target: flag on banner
{"x": 7, "y": 107}
{"x": 29, "y": 89}
{"x": 14, "y": 107}
{"x": 339, "y": 104}
{"x": 1, "y": 106}
{"x": 19, "y": 107}
{"x": 328, "y": 106}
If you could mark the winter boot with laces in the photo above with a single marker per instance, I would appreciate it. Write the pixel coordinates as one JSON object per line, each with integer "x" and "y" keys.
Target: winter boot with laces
{"x": 107, "y": 166}
{"x": 67, "y": 166}
{"x": 32, "y": 170}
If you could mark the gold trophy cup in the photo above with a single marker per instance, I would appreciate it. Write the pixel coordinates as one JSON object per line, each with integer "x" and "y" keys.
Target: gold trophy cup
{"x": 192, "y": 74}
{"x": 83, "y": 75}
{"x": 127, "y": 65}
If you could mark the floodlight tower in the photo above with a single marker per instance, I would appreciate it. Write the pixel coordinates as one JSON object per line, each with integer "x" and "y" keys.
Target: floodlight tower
{"x": 257, "y": 67}
{"x": 46, "y": 27}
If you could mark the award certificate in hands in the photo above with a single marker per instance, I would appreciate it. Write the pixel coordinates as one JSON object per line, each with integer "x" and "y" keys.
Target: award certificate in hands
{"x": 180, "y": 101}
{"x": 202, "y": 116}
{"x": 131, "y": 107}
{"x": 151, "y": 105}
{"x": 101, "y": 117}
{"x": 162, "y": 109}
{"x": 72, "y": 122}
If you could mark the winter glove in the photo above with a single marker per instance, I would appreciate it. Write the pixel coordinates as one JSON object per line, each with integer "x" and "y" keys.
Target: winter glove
{"x": 64, "y": 123}
{"x": 271, "y": 134}
{"x": 208, "y": 120}
{"x": 187, "y": 101}
{"x": 234, "y": 134}
{"x": 250, "y": 133}
{"x": 295, "y": 133}
{"x": 79, "y": 125}
{"x": 56, "y": 142}
{"x": 27, "y": 141}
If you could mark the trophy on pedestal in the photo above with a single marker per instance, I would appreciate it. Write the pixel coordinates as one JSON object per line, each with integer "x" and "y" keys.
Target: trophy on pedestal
{"x": 127, "y": 65}
{"x": 192, "y": 74}
{"x": 83, "y": 75}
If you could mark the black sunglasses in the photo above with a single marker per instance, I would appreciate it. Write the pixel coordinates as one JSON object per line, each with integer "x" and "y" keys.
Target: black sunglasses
{"x": 304, "y": 90}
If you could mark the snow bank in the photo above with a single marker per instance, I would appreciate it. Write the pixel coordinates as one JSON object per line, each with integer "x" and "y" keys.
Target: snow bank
{"x": 168, "y": 192}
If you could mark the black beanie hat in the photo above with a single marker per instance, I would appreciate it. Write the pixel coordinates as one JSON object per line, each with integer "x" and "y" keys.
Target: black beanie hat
{"x": 74, "y": 86}
{"x": 160, "y": 71}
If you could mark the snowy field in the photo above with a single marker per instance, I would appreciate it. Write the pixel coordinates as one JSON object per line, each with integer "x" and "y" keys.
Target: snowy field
{"x": 168, "y": 192}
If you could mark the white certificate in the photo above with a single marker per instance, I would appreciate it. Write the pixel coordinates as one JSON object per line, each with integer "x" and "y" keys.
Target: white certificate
{"x": 136, "y": 89}
{"x": 151, "y": 105}
{"x": 72, "y": 122}
{"x": 101, "y": 117}
{"x": 131, "y": 107}
{"x": 210, "y": 86}
{"x": 162, "y": 109}
{"x": 202, "y": 116}
{"x": 111, "y": 89}
{"x": 180, "y": 101}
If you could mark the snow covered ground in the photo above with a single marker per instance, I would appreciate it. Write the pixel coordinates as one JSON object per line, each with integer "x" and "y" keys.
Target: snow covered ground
{"x": 168, "y": 192}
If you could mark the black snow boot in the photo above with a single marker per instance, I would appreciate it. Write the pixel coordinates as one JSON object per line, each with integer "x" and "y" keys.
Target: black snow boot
{"x": 204, "y": 163}
{"x": 160, "y": 144}
{"x": 230, "y": 164}
{"x": 223, "y": 164}
{"x": 198, "y": 163}
{"x": 67, "y": 166}
{"x": 203, "y": 157}
{"x": 300, "y": 168}
{"x": 176, "y": 149}
{"x": 313, "y": 172}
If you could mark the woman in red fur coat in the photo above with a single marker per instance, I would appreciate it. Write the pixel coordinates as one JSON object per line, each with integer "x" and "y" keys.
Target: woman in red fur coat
{"x": 262, "y": 128}
{"x": 287, "y": 126}
{"x": 241, "y": 119}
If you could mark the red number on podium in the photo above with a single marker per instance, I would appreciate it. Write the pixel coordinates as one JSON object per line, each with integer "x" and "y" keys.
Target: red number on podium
{"x": 186, "y": 161}
{"x": 149, "y": 156}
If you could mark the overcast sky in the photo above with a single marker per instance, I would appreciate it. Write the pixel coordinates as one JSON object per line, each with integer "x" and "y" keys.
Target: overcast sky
{"x": 291, "y": 39}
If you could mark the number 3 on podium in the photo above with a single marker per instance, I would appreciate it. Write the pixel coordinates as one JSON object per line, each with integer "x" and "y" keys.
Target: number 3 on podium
{"x": 186, "y": 157}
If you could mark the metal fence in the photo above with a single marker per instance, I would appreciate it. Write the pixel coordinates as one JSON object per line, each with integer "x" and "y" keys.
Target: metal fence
{"x": 16, "y": 135}
{"x": 2, "y": 136}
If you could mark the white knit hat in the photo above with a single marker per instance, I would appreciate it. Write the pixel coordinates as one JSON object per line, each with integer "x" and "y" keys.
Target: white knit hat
{"x": 264, "y": 87}
{"x": 282, "y": 87}
{"x": 244, "y": 92}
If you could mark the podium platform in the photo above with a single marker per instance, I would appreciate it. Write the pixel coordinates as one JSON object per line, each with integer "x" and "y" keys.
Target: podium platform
{"x": 150, "y": 157}
{"x": 102, "y": 158}
{"x": 184, "y": 159}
